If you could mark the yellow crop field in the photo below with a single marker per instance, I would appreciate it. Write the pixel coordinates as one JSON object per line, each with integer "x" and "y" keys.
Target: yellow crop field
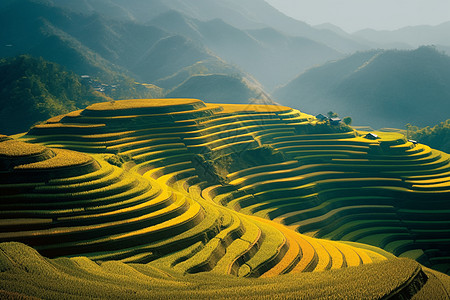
{"x": 245, "y": 108}
{"x": 129, "y": 198}
{"x": 141, "y": 103}
{"x": 11, "y": 148}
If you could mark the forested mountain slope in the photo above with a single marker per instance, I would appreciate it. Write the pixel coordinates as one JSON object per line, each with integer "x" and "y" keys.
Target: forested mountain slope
{"x": 33, "y": 90}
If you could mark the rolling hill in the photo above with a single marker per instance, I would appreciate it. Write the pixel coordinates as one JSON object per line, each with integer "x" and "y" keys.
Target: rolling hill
{"x": 30, "y": 91}
{"x": 240, "y": 33}
{"x": 255, "y": 51}
{"x": 34, "y": 89}
{"x": 113, "y": 54}
{"x": 380, "y": 88}
{"x": 102, "y": 47}
{"x": 221, "y": 88}
{"x": 165, "y": 187}
{"x": 437, "y": 136}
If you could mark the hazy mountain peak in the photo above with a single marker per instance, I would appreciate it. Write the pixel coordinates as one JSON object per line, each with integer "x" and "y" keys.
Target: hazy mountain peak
{"x": 220, "y": 87}
{"x": 380, "y": 88}
{"x": 332, "y": 27}
{"x": 413, "y": 36}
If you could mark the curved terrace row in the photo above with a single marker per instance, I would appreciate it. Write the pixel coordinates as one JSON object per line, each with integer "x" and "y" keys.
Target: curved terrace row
{"x": 107, "y": 213}
{"x": 324, "y": 180}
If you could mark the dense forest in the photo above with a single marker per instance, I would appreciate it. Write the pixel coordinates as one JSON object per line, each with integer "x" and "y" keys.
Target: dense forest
{"x": 34, "y": 89}
{"x": 38, "y": 90}
{"x": 437, "y": 137}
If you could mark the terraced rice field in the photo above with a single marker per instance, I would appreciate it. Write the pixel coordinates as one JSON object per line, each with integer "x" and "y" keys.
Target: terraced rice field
{"x": 251, "y": 191}
{"x": 26, "y": 273}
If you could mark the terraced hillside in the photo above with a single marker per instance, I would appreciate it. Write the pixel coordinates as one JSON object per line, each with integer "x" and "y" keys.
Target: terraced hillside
{"x": 26, "y": 273}
{"x": 195, "y": 187}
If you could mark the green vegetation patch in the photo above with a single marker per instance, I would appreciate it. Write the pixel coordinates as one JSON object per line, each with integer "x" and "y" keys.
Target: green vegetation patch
{"x": 437, "y": 136}
{"x": 118, "y": 159}
{"x": 34, "y": 90}
{"x": 217, "y": 167}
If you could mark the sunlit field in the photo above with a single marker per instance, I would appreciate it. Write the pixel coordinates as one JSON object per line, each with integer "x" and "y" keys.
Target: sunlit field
{"x": 178, "y": 198}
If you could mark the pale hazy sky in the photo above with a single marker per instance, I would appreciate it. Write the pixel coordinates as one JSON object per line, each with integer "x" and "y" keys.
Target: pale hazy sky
{"x": 353, "y": 15}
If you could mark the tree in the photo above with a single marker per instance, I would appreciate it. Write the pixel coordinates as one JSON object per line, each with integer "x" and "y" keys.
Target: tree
{"x": 437, "y": 137}
{"x": 332, "y": 114}
{"x": 347, "y": 120}
{"x": 33, "y": 90}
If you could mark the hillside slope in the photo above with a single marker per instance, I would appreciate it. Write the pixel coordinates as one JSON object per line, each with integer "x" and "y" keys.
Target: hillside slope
{"x": 271, "y": 56}
{"x": 437, "y": 136}
{"x": 220, "y": 88}
{"x": 278, "y": 163}
{"x": 412, "y": 36}
{"x": 380, "y": 88}
{"x": 101, "y": 47}
{"x": 30, "y": 91}
{"x": 245, "y": 15}
{"x": 190, "y": 187}
{"x": 241, "y": 33}
{"x": 27, "y": 274}
{"x": 34, "y": 89}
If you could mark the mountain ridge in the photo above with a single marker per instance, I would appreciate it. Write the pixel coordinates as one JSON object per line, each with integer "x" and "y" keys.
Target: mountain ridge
{"x": 410, "y": 36}
{"x": 381, "y": 88}
{"x": 248, "y": 48}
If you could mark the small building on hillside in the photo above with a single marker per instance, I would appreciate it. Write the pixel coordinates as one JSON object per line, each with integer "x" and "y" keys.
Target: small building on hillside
{"x": 371, "y": 136}
{"x": 413, "y": 141}
{"x": 335, "y": 121}
{"x": 321, "y": 117}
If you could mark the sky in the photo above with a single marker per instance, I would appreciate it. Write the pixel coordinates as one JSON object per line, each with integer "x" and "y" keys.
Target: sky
{"x": 354, "y": 15}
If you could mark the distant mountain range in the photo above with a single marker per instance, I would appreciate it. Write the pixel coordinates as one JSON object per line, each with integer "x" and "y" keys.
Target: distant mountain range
{"x": 183, "y": 45}
{"x": 111, "y": 51}
{"x": 270, "y": 55}
{"x": 245, "y": 15}
{"x": 410, "y": 37}
{"x": 95, "y": 45}
{"x": 220, "y": 88}
{"x": 240, "y": 32}
{"x": 381, "y": 88}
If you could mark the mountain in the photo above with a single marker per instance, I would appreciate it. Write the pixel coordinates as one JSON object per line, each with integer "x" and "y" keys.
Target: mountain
{"x": 98, "y": 46}
{"x": 249, "y": 14}
{"x": 270, "y": 56}
{"x": 33, "y": 90}
{"x": 109, "y": 52}
{"x": 94, "y": 44}
{"x": 412, "y": 36}
{"x": 380, "y": 88}
{"x": 42, "y": 30}
{"x": 172, "y": 47}
{"x": 220, "y": 88}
